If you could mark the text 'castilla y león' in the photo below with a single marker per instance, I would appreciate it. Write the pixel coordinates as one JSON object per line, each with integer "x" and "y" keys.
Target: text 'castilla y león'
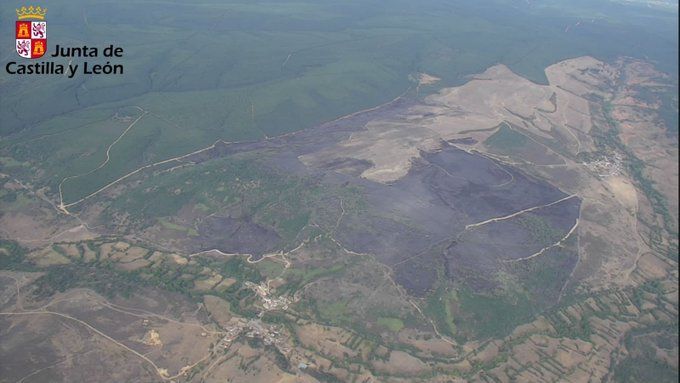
{"x": 71, "y": 69}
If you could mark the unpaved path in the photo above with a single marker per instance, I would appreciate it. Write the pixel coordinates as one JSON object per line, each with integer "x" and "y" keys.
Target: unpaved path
{"x": 161, "y": 372}
{"x": 108, "y": 156}
{"x": 64, "y": 207}
{"x": 473, "y": 225}
{"x": 543, "y": 250}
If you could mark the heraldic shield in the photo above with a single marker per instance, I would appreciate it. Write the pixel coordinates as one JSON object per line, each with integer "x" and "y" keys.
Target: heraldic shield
{"x": 31, "y": 35}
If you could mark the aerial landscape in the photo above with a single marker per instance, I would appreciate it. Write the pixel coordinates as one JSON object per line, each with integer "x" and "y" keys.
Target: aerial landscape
{"x": 329, "y": 191}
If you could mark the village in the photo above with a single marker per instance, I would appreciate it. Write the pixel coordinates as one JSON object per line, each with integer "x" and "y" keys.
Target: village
{"x": 270, "y": 334}
{"x": 606, "y": 166}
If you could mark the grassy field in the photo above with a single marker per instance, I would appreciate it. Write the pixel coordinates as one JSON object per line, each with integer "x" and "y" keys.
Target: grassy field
{"x": 645, "y": 364}
{"x": 207, "y": 70}
{"x": 240, "y": 183}
{"x": 506, "y": 140}
{"x": 492, "y": 316}
{"x": 438, "y": 307}
{"x": 393, "y": 324}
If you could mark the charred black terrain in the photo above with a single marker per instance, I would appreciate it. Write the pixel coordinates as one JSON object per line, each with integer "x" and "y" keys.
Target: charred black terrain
{"x": 457, "y": 216}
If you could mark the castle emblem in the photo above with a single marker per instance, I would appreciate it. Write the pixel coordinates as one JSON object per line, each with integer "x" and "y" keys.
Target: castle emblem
{"x": 31, "y": 32}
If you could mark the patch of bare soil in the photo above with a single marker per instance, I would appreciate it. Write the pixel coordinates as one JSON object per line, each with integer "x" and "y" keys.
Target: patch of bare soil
{"x": 558, "y": 111}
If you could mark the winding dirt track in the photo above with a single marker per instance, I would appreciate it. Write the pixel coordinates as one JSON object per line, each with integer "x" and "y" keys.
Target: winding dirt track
{"x": 64, "y": 207}
{"x": 159, "y": 371}
{"x": 473, "y": 225}
{"x": 162, "y": 373}
{"x": 108, "y": 154}
{"x": 543, "y": 250}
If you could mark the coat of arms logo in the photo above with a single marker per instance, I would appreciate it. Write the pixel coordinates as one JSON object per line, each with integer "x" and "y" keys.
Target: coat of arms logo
{"x": 31, "y": 32}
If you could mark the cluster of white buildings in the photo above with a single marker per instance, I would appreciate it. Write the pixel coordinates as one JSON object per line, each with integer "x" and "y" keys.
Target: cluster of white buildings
{"x": 269, "y": 303}
{"x": 606, "y": 166}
